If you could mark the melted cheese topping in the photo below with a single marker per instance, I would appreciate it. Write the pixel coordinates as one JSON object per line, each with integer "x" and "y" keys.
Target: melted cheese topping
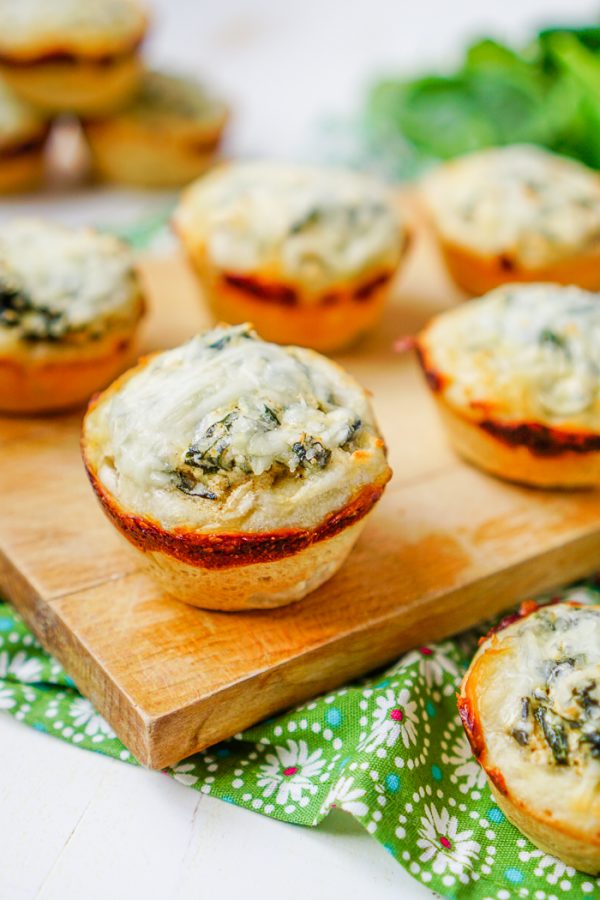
{"x": 78, "y": 26}
{"x": 162, "y": 96}
{"x": 228, "y": 432}
{"x": 58, "y": 283}
{"x": 520, "y": 201}
{"x": 18, "y": 121}
{"x": 522, "y": 352}
{"x": 538, "y": 697}
{"x": 317, "y": 228}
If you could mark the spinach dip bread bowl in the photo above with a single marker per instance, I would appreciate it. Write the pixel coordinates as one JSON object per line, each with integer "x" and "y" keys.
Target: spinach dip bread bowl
{"x": 307, "y": 254}
{"x": 167, "y": 136}
{"x": 530, "y": 705}
{"x": 77, "y": 56}
{"x": 516, "y": 377}
{"x": 70, "y": 302}
{"x": 516, "y": 213}
{"x": 23, "y": 133}
{"x": 242, "y": 471}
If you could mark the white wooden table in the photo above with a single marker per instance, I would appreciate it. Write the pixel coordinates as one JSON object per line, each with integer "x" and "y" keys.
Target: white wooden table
{"x": 75, "y": 824}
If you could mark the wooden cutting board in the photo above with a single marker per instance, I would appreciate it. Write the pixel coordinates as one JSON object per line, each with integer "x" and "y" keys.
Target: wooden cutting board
{"x": 446, "y": 547}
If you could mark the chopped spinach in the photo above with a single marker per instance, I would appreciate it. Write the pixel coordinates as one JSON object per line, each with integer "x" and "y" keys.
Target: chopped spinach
{"x": 13, "y": 302}
{"x": 557, "y": 668}
{"x": 311, "y": 452}
{"x": 547, "y": 336}
{"x": 314, "y": 215}
{"x": 187, "y": 485}
{"x": 520, "y": 736}
{"x": 208, "y": 453}
{"x": 593, "y": 739}
{"x": 270, "y": 417}
{"x": 36, "y": 323}
{"x": 352, "y": 430}
{"x": 554, "y": 733}
{"x": 588, "y": 703}
{"x": 241, "y": 331}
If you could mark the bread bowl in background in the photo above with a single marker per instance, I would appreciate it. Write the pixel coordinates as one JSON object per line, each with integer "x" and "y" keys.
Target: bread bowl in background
{"x": 307, "y": 254}
{"x": 241, "y": 470}
{"x": 70, "y": 303}
{"x": 516, "y": 214}
{"x": 515, "y": 378}
{"x": 530, "y": 705}
{"x": 72, "y": 56}
{"x": 23, "y": 133}
{"x": 165, "y": 137}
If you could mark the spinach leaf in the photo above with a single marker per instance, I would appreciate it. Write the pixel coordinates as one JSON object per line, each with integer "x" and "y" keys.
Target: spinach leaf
{"x": 555, "y": 735}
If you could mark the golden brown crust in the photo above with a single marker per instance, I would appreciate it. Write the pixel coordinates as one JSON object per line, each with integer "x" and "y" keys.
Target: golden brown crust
{"x": 57, "y": 380}
{"x": 573, "y": 845}
{"x": 102, "y": 48}
{"x": 557, "y": 467}
{"x": 524, "y": 451}
{"x": 80, "y": 85}
{"x": 125, "y": 152}
{"x": 261, "y": 585}
{"x": 98, "y": 55}
{"x": 229, "y": 550}
{"x": 288, "y": 303}
{"x": 572, "y": 851}
{"x": 22, "y": 170}
{"x": 328, "y": 323}
{"x": 477, "y": 274}
{"x": 541, "y": 440}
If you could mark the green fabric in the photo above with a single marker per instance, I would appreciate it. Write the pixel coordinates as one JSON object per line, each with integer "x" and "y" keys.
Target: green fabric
{"x": 389, "y": 749}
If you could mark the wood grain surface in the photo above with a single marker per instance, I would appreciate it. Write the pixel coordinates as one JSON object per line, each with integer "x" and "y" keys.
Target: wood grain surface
{"x": 446, "y": 547}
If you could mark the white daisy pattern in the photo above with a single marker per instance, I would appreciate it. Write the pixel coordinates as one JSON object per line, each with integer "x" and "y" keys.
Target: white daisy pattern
{"x": 85, "y": 717}
{"x": 20, "y": 666}
{"x": 467, "y": 771}
{"x": 345, "y": 795}
{"x": 7, "y": 698}
{"x": 443, "y": 845}
{"x": 548, "y": 866}
{"x": 433, "y": 663}
{"x": 395, "y": 720}
{"x": 290, "y": 773}
{"x": 185, "y": 773}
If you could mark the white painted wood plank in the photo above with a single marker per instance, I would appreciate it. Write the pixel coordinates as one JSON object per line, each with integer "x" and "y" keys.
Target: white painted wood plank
{"x": 45, "y": 789}
{"x": 75, "y": 824}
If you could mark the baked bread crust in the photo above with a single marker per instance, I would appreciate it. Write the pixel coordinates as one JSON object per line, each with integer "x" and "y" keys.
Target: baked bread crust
{"x": 59, "y": 378}
{"x": 45, "y": 372}
{"x": 72, "y": 57}
{"x": 22, "y": 168}
{"x": 234, "y": 571}
{"x": 334, "y": 322}
{"x": 520, "y": 407}
{"x": 477, "y": 274}
{"x": 86, "y": 87}
{"x": 321, "y": 268}
{"x": 542, "y": 766}
{"x": 272, "y": 546}
{"x": 34, "y": 30}
{"x": 516, "y": 214}
{"x": 166, "y": 137}
{"x": 23, "y": 133}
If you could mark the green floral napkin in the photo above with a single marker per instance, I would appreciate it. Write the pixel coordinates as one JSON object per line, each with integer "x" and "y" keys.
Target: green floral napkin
{"x": 389, "y": 750}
